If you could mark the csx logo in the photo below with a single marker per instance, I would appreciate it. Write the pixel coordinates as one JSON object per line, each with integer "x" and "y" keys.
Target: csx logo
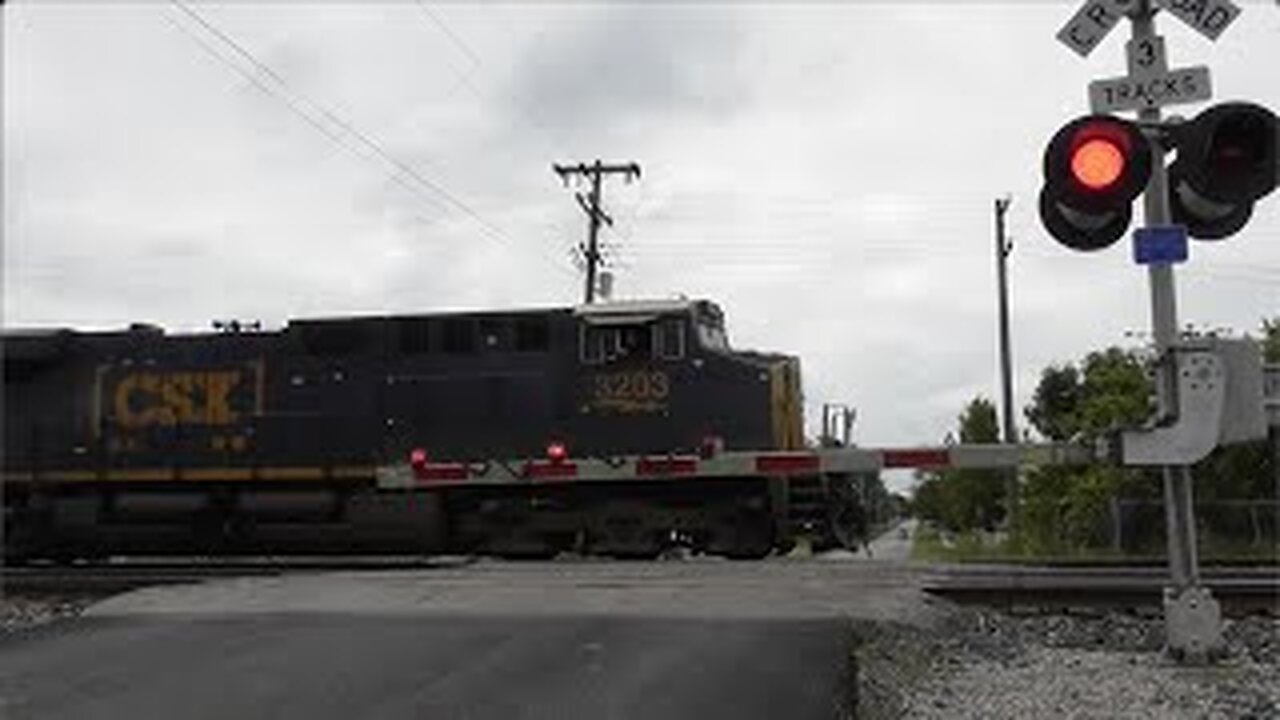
{"x": 170, "y": 398}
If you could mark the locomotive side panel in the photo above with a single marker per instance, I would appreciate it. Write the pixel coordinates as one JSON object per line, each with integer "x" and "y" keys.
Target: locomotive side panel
{"x": 44, "y": 423}
{"x": 476, "y": 387}
{"x": 320, "y": 410}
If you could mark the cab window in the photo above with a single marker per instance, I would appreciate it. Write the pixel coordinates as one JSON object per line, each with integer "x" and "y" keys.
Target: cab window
{"x": 670, "y": 336}
{"x": 709, "y": 321}
{"x": 712, "y": 337}
{"x": 612, "y": 343}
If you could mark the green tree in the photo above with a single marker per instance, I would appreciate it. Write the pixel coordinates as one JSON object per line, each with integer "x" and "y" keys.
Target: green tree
{"x": 926, "y": 498}
{"x": 1067, "y": 509}
{"x": 1271, "y": 340}
{"x": 1052, "y": 411}
{"x": 968, "y": 499}
{"x": 1110, "y": 390}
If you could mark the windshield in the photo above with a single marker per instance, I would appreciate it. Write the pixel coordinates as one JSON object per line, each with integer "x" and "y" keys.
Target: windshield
{"x": 712, "y": 337}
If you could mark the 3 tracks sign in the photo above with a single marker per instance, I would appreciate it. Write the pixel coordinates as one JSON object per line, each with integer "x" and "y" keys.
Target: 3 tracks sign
{"x": 1136, "y": 92}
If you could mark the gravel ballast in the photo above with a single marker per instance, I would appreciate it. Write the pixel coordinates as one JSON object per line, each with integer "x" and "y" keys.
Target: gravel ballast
{"x": 987, "y": 664}
{"x": 19, "y": 613}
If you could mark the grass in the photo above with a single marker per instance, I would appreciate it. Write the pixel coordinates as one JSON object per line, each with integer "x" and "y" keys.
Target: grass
{"x": 931, "y": 545}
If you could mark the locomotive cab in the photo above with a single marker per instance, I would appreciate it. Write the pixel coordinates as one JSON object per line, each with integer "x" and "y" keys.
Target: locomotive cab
{"x": 639, "y": 332}
{"x": 660, "y": 376}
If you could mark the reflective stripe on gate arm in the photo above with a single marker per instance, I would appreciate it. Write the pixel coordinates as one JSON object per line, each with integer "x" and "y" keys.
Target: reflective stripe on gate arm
{"x": 548, "y": 470}
{"x": 788, "y": 463}
{"x": 651, "y": 466}
{"x": 434, "y": 472}
{"x": 916, "y": 458}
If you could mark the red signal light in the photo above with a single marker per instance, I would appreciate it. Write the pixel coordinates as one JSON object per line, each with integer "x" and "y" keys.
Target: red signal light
{"x": 1094, "y": 167}
{"x": 557, "y": 452}
{"x": 1097, "y": 163}
{"x": 418, "y": 458}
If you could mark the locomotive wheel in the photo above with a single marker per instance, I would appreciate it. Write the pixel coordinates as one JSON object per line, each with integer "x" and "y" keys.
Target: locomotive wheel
{"x": 746, "y": 534}
{"x": 627, "y": 543}
{"x": 545, "y": 552}
{"x": 522, "y": 545}
{"x": 754, "y": 545}
{"x": 624, "y": 531}
{"x": 641, "y": 548}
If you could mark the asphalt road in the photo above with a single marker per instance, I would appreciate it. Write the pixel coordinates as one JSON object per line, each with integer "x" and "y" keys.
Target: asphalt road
{"x": 895, "y": 544}
{"x": 334, "y": 666}
{"x": 493, "y": 640}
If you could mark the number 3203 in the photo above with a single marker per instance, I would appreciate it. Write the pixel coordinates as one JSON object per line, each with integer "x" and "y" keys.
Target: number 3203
{"x": 636, "y": 386}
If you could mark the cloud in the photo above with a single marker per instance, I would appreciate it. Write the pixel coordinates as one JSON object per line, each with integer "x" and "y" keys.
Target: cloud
{"x": 825, "y": 172}
{"x": 633, "y": 66}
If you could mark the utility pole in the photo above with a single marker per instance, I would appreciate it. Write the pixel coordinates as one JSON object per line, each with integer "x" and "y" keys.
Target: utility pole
{"x": 590, "y": 204}
{"x": 1003, "y": 247}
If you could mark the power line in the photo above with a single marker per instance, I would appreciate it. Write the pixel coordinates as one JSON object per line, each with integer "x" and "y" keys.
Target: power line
{"x": 332, "y": 117}
{"x": 266, "y": 70}
{"x": 291, "y": 105}
{"x": 453, "y": 37}
{"x": 254, "y": 80}
{"x": 465, "y": 78}
{"x": 458, "y": 42}
{"x": 633, "y": 219}
{"x": 402, "y": 170}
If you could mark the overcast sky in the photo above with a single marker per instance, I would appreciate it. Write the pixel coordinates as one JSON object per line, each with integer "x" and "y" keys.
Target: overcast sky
{"x": 826, "y": 173}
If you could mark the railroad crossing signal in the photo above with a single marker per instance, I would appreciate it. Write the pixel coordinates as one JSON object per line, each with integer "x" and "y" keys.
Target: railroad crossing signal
{"x": 1226, "y": 161}
{"x": 1093, "y": 169}
{"x": 1095, "y": 166}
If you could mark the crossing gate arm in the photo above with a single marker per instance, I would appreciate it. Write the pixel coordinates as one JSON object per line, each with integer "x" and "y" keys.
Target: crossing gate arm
{"x": 676, "y": 467}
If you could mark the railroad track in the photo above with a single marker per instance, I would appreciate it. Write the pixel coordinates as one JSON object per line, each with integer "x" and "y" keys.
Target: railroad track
{"x": 105, "y": 578}
{"x": 1240, "y": 590}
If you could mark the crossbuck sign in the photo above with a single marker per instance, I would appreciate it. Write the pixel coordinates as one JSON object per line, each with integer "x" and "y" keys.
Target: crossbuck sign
{"x": 1150, "y": 83}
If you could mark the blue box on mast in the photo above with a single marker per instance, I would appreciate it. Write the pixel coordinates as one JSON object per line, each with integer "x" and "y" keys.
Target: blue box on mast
{"x": 1160, "y": 245}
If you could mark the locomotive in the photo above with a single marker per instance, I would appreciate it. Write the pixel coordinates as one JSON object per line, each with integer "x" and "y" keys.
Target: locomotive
{"x": 268, "y": 442}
